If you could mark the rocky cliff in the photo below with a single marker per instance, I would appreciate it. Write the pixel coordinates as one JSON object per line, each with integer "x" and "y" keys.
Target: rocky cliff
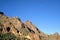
{"x": 15, "y": 29}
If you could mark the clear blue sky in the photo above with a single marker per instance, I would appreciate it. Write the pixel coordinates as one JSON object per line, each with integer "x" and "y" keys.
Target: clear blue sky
{"x": 45, "y": 14}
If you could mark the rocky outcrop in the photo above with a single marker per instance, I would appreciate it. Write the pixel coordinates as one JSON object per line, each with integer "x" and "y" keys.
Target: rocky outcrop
{"x": 22, "y": 31}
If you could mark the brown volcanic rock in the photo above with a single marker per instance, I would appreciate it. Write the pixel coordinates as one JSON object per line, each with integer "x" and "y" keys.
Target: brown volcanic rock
{"x": 25, "y": 31}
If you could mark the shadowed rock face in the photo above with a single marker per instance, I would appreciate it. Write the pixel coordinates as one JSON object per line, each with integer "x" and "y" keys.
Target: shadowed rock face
{"x": 2, "y": 13}
{"x": 17, "y": 30}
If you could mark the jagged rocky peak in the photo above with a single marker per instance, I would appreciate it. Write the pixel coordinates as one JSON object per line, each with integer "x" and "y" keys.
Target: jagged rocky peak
{"x": 14, "y": 29}
{"x": 17, "y": 18}
{"x": 32, "y": 27}
{"x": 28, "y": 21}
{"x": 1, "y": 13}
{"x": 56, "y": 33}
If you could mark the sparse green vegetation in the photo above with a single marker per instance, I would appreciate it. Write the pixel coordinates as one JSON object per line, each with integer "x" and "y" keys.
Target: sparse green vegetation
{"x": 42, "y": 38}
{"x": 8, "y": 36}
{"x": 0, "y": 22}
{"x": 23, "y": 38}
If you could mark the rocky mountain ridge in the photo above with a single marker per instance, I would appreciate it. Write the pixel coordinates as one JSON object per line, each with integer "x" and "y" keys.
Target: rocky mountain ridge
{"x": 21, "y": 31}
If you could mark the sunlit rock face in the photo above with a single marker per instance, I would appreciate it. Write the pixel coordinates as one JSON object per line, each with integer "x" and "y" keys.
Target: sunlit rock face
{"x": 15, "y": 29}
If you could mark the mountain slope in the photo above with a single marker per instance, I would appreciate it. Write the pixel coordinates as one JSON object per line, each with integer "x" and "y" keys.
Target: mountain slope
{"x": 15, "y": 29}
